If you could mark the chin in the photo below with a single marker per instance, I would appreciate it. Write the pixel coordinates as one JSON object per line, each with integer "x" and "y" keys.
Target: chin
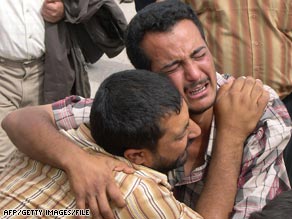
{"x": 203, "y": 106}
{"x": 199, "y": 109}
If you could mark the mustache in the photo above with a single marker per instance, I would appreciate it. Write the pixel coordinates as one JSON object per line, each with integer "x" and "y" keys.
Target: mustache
{"x": 195, "y": 83}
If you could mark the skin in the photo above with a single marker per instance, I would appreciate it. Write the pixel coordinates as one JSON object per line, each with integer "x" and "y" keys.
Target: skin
{"x": 171, "y": 149}
{"x": 91, "y": 180}
{"x": 94, "y": 188}
{"x": 184, "y": 57}
{"x": 189, "y": 65}
{"x": 83, "y": 179}
{"x": 53, "y": 10}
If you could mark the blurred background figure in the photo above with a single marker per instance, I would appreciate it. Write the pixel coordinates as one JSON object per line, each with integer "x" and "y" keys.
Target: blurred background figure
{"x": 22, "y": 50}
{"x": 89, "y": 30}
{"x": 44, "y": 50}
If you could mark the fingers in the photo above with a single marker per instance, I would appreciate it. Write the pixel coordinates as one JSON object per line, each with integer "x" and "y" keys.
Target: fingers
{"x": 123, "y": 167}
{"x": 238, "y": 84}
{"x": 104, "y": 208}
{"x": 232, "y": 86}
{"x": 53, "y": 10}
{"x": 94, "y": 185}
{"x": 98, "y": 203}
{"x": 224, "y": 89}
{"x": 94, "y": 207}
{"x": 80, "y": 204}
{"x": 259, "y": 94}
{"x": 263, "y": 100}
{"x": 255, "y": 92}
{"x": 243, "y": 101}
{"x": 251, "y": 90}
{"x": 116, "y": 195}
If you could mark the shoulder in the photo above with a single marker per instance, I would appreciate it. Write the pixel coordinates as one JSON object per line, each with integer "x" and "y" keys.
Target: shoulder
{"x": 276, "y": 109}
{"x": 149, "y": 197}
{"x": 143, "y": 179}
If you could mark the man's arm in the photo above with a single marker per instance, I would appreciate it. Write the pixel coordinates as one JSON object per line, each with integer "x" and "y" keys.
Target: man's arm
{"x": 263, "y": 173}
{"x": 238, "y": 108}
{"x": 33, "y": 131}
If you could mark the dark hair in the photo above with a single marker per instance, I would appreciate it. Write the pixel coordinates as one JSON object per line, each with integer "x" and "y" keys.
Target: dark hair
{"x": 128, "y": 108}
{"x": 156, "y": 17}
{"x": 278, "y": 208}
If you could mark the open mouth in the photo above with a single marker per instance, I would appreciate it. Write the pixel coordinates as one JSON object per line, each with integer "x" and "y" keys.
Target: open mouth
{"x": 198, "y": 89}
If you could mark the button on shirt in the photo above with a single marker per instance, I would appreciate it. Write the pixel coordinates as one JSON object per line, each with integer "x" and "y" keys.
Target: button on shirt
{"x": 22, "y": 29}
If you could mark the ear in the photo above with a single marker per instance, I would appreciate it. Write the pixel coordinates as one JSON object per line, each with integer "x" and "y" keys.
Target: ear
{"x": 137, "y": 156}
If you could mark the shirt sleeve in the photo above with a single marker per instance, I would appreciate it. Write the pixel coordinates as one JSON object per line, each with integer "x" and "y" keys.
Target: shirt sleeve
{"x": 72, "y": 111}
{"x": 263, "y": 174}
{"x": 149, "y": 199}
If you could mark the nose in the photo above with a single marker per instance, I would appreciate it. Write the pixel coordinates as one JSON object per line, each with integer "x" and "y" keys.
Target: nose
{"x": 191, "y": 71}
{"x": 194, "y": 130}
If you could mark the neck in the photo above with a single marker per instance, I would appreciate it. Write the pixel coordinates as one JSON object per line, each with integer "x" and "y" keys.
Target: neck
{"x": 198, "y": 148}
{"x": 204, "y": 119}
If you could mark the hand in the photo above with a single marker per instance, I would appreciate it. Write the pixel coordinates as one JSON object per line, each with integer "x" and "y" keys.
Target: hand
{"x": 53, "y": 10}
{"x": 91, "y": 179}
{"x": 239, "y": 105}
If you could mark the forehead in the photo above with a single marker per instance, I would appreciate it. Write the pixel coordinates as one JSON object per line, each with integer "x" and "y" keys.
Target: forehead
{"x": 180, "y": 41}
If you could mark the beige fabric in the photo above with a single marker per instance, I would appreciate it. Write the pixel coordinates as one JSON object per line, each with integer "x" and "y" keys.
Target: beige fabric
{"x": 29, "y": 184}
{"x": 20, "y": 85}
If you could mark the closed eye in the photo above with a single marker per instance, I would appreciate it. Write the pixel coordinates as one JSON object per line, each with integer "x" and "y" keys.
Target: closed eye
{"x": 170, "y": 68}
{"x": 199, "y": 53}
{"x": 184, "y": 133}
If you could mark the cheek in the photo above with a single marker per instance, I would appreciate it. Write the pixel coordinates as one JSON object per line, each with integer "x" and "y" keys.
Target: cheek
{"x": 180, "y": 146}
{"x": 209, "y": 69}
{"x": 177, "y": 81}
{"x": 208, "y": 64}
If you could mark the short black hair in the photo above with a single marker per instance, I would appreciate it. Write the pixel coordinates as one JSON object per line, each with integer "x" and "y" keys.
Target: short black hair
{"x": 278, "y": 208}
{"x": 128, "y": 108}
{"x": 156, "y": 17}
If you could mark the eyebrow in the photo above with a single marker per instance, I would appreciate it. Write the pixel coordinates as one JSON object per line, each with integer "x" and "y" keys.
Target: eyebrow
{"x": 196, "y": 51}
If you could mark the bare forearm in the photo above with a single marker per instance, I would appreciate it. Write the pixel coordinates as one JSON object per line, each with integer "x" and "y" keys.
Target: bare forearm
{"x": 217, "y": 198}
{"x": 234, "y": 122}
{"x": 33, "y": 132}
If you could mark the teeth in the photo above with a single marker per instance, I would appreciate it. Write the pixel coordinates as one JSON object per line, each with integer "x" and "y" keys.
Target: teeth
{"x": 198, "y": 90}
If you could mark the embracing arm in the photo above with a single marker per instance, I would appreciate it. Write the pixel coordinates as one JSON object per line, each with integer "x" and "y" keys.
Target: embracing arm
{"x": 238, "y": 107}
{"x": 33, "y": 131}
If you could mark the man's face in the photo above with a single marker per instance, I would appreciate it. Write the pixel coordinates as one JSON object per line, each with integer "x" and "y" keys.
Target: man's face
{"x": 183, "y": 56}
{"x": 172, "y": 146}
